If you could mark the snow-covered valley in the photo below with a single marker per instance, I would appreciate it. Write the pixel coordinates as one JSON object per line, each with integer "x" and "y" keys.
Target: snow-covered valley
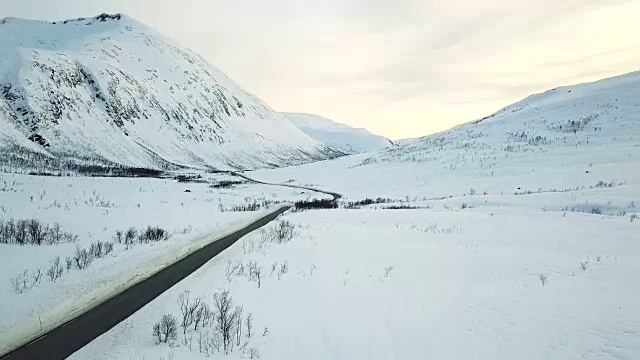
{"x": 513, "y": 236}
{"x": 338, "y": 136}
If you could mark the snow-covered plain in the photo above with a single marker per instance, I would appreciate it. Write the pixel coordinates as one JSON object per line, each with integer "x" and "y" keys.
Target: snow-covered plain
{"x": 94, "y": 209}
{"x": 460, "y": 284}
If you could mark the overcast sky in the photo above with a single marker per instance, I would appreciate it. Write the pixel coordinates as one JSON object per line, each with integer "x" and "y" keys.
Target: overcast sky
{"x": 401, "y": 68}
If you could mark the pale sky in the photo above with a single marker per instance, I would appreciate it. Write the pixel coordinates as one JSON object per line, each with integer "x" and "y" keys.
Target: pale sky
{"x": 400, "y": 68}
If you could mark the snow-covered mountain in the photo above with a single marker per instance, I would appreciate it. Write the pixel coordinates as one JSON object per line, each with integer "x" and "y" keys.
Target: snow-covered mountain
{"x": 110, "y": 90}
{"x": 338, "y": 136}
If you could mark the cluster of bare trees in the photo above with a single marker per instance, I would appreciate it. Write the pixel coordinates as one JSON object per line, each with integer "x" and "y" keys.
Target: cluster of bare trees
{"x": 132, "y": 236}
{"x": 84, "y": 257}
{"x": 221, "y": 327}
{"x": 81, "y": 259}
{"x": 282, "y": 232}
{"x": 33, "y": 232}
{"x": 249, "y": 205}
{"x": 254, "y": 272}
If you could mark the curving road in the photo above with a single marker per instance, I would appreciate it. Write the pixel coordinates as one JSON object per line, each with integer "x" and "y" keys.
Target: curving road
{"x": 66, "y": 339}
{"x": 335, "y": 195}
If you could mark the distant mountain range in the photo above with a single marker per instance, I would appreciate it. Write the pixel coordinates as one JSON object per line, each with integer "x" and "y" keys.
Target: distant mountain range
{"x": 109, "y": 90}
{"x": 337, "y": 136}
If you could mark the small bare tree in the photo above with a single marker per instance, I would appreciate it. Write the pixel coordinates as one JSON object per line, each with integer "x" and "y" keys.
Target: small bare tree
{"x": 225, "y": 318}
{"x": 254, "y": 353}
{"x": 55, "y": 234}
{"x": 55, "y": 269}
{"x": 188, "y": 309}
{"x": 584, "y": 265}
{"x": 387, "y": 270}
{"x": 201, "y": 315}
{"x": 543, "y": 279}
{"x": 238, "y": 326}
{"x": 36, "y": 276}
{"x": 20, "y": 283}
{"x": 258, "y": 275}
{"x": 231, "y": 270}
{"x": 130, "y": 237}
{"x": 68, "y": 262}
{"x": 118, "y": 237}
{"x": 284, "y": 268}
{"x": 166, "y": 329}
{"x": 249, "y": 324}
{"x": 255, "y": 272}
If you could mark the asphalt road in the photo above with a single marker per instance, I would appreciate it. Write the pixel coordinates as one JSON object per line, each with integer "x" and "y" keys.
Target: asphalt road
{"x": 335, "y": 195}
{"x": 70, "y": 337}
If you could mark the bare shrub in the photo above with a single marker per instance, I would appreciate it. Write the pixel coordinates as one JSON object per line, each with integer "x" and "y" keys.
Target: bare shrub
{"x": 119, "y": 236}
{"x": 20, "y": 283}
{"x": 254, "y": 353}
{"x": 130, "y": 236}
{"x": 82, "y": 258}
{"x": 36, "y": 276}
{"x": 166, "y": 329}
{"x": 283, "y": 232}
{"x": 55, "y": 269}
{"x": 55, "y": 234}
{"x": 153, "y": 234}
{"x": 284, "y": 268}
{"x": 68, "y": 262}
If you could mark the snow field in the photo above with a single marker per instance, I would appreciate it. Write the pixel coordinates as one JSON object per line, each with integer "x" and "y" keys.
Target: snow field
{"x": 406, "y": 284}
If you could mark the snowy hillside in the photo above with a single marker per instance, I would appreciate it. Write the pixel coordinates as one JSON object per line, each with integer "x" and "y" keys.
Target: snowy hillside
{"x": 564, "y": 138}
{"x": 338, "y": 136}
{"x": 110, "y": 90}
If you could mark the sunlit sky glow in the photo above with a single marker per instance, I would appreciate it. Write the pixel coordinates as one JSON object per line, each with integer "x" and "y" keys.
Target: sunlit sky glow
{"x": 401, "y": 68}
